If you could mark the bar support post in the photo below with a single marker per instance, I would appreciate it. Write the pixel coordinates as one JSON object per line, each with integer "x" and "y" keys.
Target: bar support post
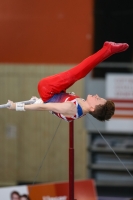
{"x": 71, "y": 160}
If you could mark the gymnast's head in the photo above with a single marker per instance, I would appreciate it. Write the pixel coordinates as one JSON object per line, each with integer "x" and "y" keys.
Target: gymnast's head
{"x": 100, "y": 108}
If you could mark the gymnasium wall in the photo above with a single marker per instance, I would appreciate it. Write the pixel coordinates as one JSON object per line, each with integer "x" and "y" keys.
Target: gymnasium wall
{"x": 46, "y": 31}
{"x": 39, "y": 39}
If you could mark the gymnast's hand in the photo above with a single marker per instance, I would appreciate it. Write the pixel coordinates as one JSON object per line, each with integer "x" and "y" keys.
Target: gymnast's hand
{"x": 12, "y": 105}
{"x": 37, "y": 100}
{"x": 34, "y": 98}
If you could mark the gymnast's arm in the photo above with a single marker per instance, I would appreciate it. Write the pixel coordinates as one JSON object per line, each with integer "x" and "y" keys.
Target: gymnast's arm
{"x": 67, "y": 108}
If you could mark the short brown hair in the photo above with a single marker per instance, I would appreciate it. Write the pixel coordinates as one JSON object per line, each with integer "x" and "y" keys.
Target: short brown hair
{"x": 104, "y": 112}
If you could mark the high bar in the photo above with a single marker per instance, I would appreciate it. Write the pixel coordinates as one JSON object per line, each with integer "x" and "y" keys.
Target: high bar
{"x": 25, "y": 102}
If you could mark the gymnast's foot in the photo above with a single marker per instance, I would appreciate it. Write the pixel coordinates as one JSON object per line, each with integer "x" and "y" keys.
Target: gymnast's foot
{"x": 116, "y": 47}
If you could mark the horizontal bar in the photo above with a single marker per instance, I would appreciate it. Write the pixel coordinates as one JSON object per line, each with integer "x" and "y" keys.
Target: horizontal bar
{"x": 25, "y": 102}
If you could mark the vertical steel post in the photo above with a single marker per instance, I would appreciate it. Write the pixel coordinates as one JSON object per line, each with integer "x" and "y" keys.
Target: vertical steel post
{"x": 71, "y": 160}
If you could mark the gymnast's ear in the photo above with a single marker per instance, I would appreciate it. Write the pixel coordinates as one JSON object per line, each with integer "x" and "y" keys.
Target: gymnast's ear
{"x": 92, "y": 108}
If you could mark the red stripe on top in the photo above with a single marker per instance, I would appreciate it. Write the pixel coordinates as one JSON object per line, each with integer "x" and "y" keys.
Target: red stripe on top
{"x": 122, "y": 100}
{"x": 124, "y": 108}
{"x": 123, "y": 116}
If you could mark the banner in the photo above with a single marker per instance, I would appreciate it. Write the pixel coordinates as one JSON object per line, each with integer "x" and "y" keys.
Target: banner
{"x": 84, "y": 190}
{"x": 119, "y": 89}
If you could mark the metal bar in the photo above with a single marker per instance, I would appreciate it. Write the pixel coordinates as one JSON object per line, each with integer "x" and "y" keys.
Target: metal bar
{"x": 71, "y": 160}
{"x": 25, "y": 102}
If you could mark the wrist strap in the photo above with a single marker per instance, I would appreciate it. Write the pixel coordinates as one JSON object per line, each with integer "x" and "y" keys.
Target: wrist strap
{"x": 20, "y": 107}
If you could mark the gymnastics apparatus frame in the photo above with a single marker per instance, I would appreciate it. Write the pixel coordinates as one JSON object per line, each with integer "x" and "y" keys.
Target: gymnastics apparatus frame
{"x": 71, "y": 160}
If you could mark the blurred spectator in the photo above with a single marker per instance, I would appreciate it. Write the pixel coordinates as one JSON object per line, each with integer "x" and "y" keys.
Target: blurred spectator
{"x": 24, "y": 197}
{"x": 15, "y": 195}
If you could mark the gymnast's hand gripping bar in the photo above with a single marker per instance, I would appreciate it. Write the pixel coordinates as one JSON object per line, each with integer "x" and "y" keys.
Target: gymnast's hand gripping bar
{"x": 25, "y": 102}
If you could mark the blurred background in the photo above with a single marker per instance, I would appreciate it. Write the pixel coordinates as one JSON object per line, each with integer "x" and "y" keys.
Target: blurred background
{"x": 41, "y": 38}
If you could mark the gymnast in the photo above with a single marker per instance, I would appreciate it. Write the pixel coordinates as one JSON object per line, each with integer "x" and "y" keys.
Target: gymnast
{"x": 69, "y": 106}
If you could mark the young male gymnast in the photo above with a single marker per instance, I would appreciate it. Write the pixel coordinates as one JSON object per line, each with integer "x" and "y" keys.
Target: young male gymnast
{"x": 67, "y": 106}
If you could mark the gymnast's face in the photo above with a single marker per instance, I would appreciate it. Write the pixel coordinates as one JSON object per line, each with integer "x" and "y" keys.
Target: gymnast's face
{"x": 95, "y": 100}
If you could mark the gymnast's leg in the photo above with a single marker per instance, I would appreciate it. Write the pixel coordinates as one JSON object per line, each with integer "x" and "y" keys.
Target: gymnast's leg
{"x": 51, "y": 85}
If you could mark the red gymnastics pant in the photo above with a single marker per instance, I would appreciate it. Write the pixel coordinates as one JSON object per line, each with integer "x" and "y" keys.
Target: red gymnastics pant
{"x": 55, "y": 84}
